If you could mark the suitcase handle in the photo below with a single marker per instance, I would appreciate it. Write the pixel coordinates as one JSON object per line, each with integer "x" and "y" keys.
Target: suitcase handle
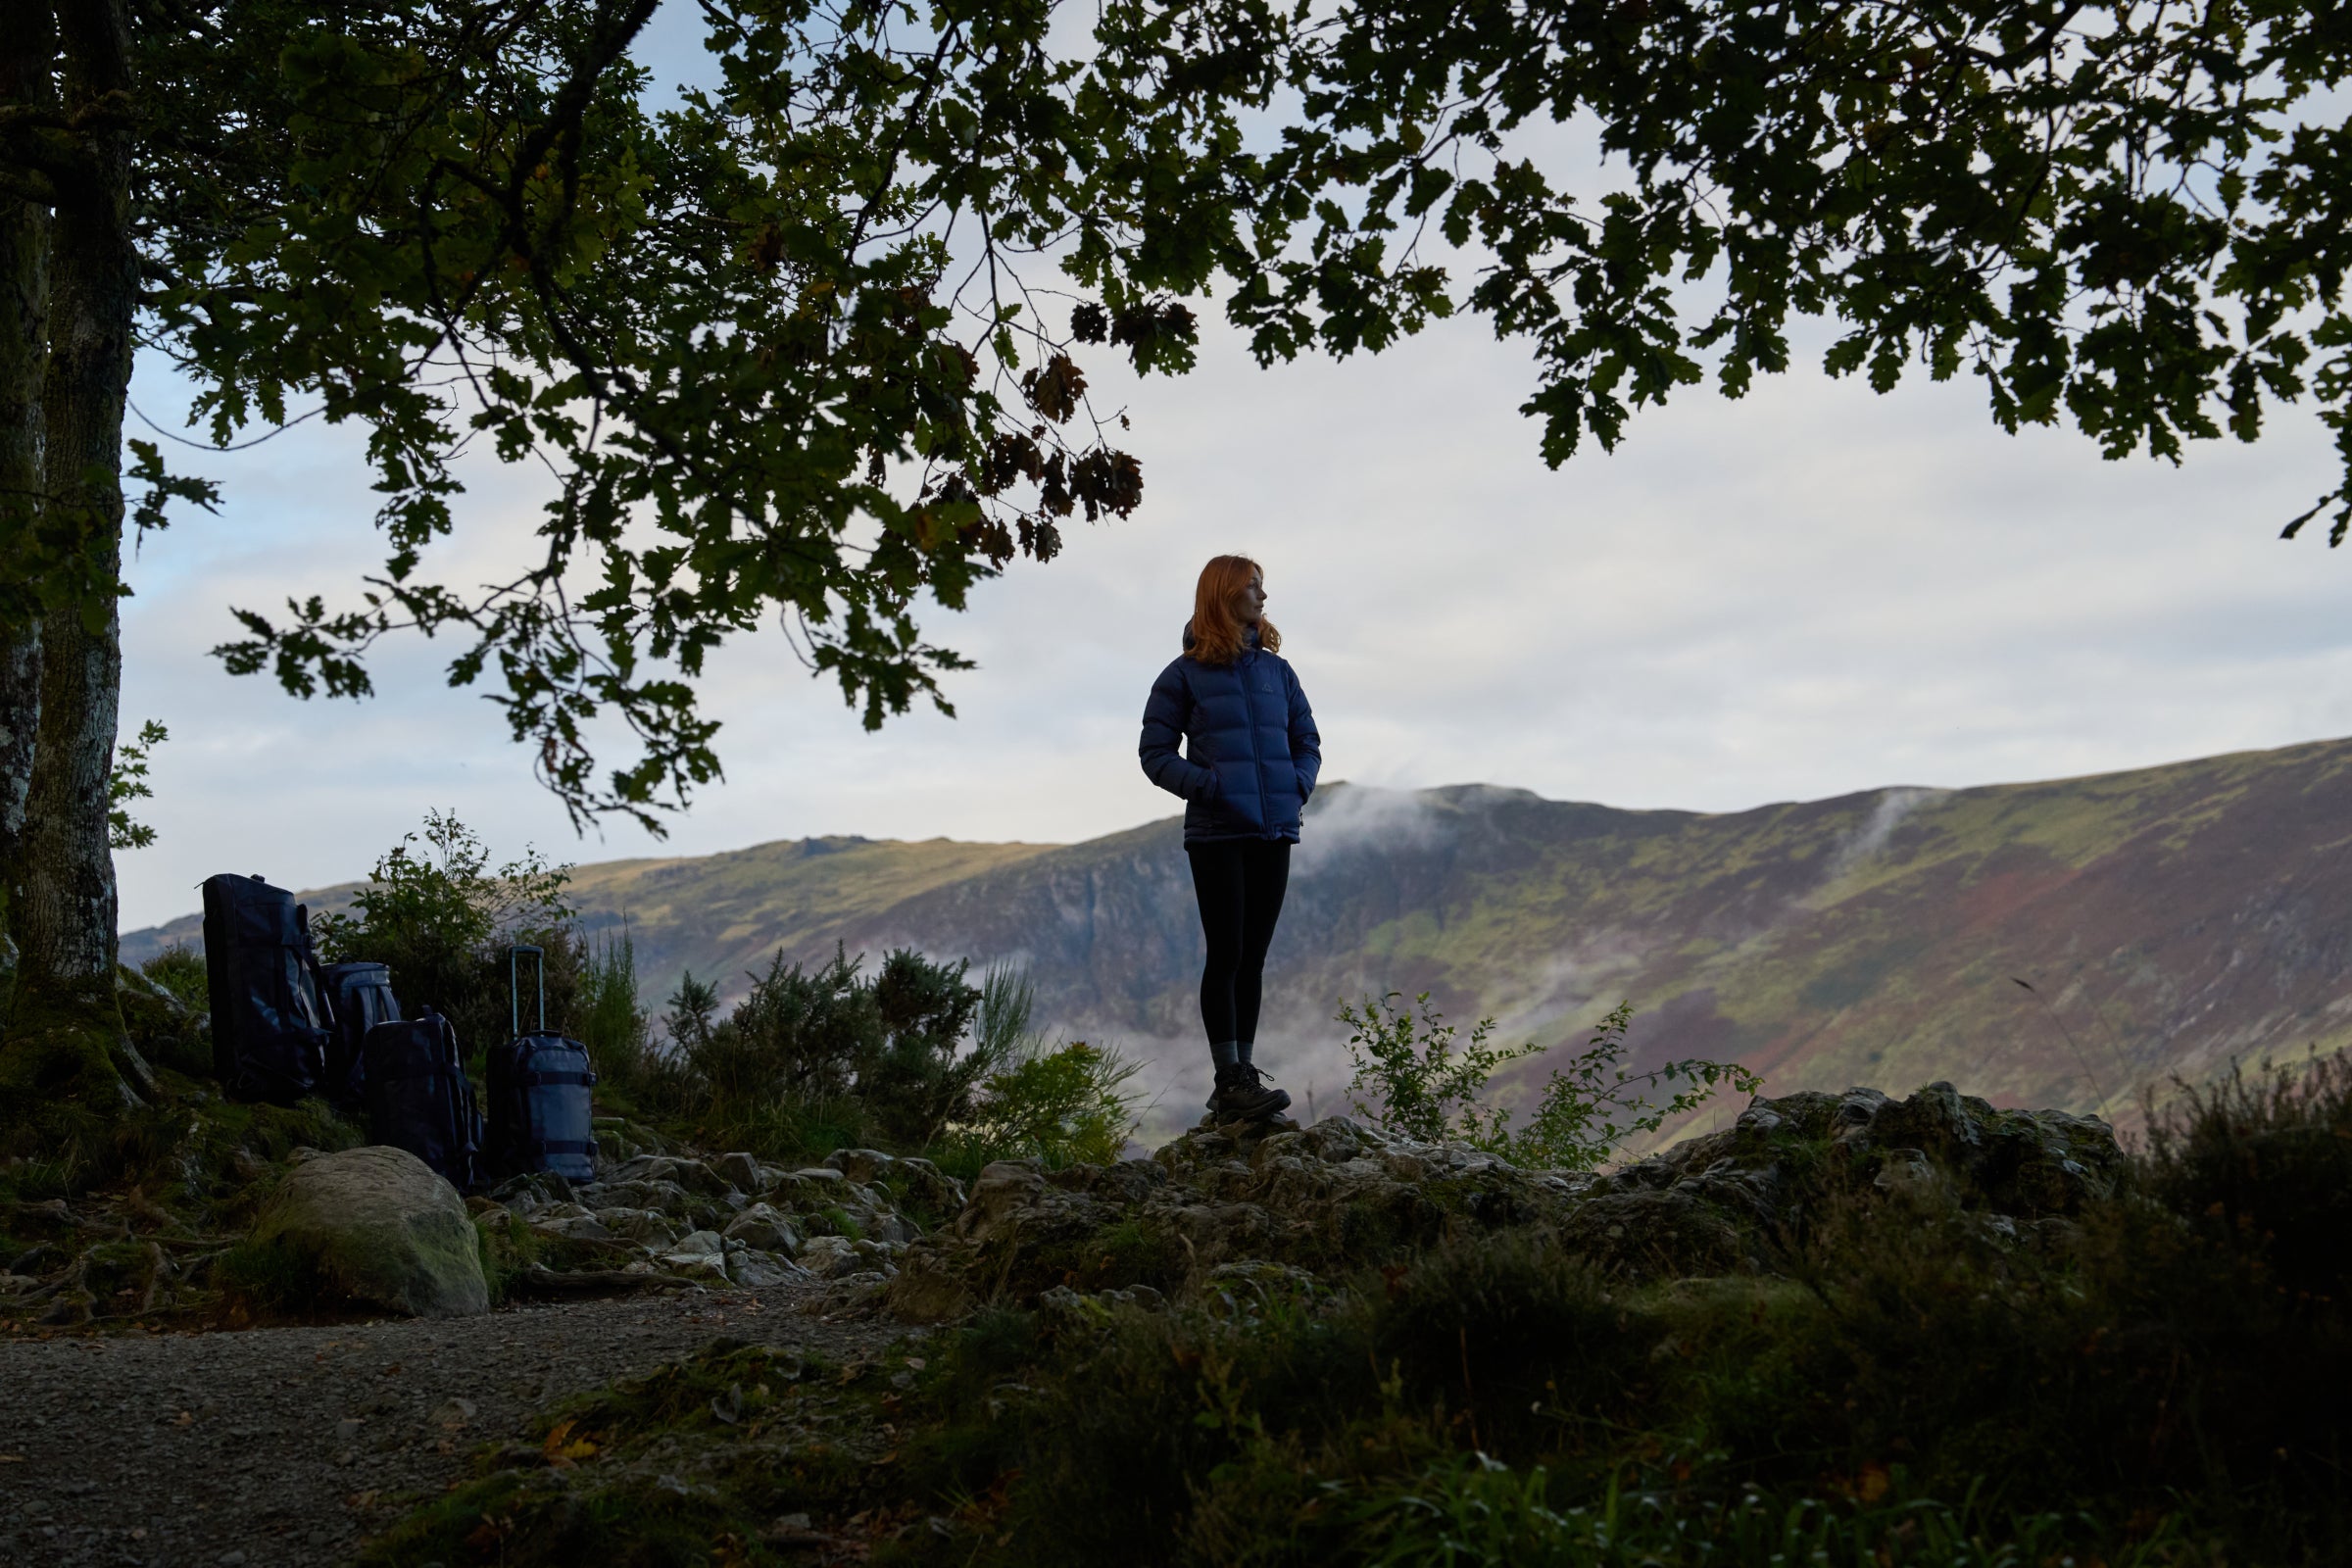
{"x": 515, "y": 986}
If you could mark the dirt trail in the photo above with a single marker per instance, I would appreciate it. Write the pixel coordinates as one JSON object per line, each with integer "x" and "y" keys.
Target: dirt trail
{"x": 289, "y": 1446}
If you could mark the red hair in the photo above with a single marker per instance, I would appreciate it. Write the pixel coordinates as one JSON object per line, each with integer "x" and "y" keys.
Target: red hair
{"x": 1217, "y": 634}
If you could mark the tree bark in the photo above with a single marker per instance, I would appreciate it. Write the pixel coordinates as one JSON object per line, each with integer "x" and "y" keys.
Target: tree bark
{"x": 26, "y": 55}
{"x": 66, "y": 1043}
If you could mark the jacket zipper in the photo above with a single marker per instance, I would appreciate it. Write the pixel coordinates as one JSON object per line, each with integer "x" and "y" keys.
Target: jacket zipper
{"x": 1247, "y": 668}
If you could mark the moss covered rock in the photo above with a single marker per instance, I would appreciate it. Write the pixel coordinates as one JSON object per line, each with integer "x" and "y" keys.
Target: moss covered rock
{"x": 376, "y": 1225}
{"x": 1327, "y": 1199}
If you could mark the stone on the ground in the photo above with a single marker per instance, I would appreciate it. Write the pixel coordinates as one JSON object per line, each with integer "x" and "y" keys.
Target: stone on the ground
{"x": 532, "y": 1191}
{"x": 829, "y": 1257}
{"x": 761, "y": 1227}
{"x": 740, "y": 1170}
{"x": 668, "y": 1197}
{"x": 572, "y": 1222}
{"x": 1731, "y": 1199}
{"x": 696, "y": 1255}
{"x": 375, "y": 1224}
{"x": 818, "y": 1183}
{"x": 756, "y": 1270}
{"x": 648, "y": 1226}
{"x": 926, "y": 1184}
{"x": 861, "y": 1165}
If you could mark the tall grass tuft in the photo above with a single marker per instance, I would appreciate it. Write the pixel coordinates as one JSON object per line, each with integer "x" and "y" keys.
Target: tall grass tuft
{"x": 1056, "y": 1102}
{"x": 608, "y": 1017}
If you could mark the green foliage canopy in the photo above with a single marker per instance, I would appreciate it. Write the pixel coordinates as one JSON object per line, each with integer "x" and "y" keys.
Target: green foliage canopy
{"x": 2130, "y": 216}
{"x": 787, "y": 348}
{"x": 126, "y": 782}
{"x": 768, "y": 344}
{"x": 436, "y": 912}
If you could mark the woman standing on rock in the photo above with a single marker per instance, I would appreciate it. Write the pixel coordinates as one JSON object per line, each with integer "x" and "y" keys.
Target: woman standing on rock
{"x": 1250, "y": 755}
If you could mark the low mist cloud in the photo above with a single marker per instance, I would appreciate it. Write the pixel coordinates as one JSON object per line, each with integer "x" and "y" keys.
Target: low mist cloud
{"x": 1346, "y": 819}
{"x": 1892, "y": 807}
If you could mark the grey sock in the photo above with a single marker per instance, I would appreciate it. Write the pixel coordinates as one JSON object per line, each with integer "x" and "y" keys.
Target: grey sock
{"x": 1224, "y": 1052}
{"x": 1242, "y": 1047}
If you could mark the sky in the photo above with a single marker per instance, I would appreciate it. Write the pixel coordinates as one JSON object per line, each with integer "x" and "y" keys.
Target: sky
{"x": 1811, "y": 591}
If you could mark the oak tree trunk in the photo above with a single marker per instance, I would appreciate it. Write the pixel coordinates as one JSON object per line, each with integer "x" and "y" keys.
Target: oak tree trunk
{"x": 66, "y": 1062}
{"x": 25, "y": 56}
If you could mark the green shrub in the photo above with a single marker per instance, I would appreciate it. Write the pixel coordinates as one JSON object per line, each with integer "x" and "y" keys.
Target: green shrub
{"x": 509, "y": 1247}
{"x": 2157, "y": 1380}
{"x": 444, "y": 920}
{"x": 607, "y": 1019}
{"x": 1056, "y": 1104}
{"x": 1411, "y": 1078}
{"x": 180, "y": 969}
{"x": 797, "y": 1034}
{"x": 811, "y": 1061}
{"x": 791, "y": 1131}
{"x": 2263, "y": 1166}
{"x": 166, "y": 1012}
{"x": 920, "y": 1077}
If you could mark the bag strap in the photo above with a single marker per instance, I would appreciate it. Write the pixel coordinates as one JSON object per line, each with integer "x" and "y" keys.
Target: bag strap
{"x": 561, "y": 1146}
{"x": 321, "y": 1009}
{"x": 527, "y": 1079}
{"x": 430, "y": 1070}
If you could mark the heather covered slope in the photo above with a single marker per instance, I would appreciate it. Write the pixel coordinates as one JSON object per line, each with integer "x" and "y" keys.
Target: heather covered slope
{"x": 2169, "y": 918}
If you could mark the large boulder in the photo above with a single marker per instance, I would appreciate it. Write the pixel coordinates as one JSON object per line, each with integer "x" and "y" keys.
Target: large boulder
{"x": 376, "y": 1225}
{"x": 1739, "y": 1198}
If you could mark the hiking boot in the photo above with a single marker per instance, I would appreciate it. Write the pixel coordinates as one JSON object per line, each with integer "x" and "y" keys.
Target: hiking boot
{"x": 1243, "y": 1095}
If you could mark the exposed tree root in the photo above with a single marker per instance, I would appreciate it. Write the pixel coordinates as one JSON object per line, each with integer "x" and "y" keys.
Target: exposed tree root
{"x": 71, "y": 1085}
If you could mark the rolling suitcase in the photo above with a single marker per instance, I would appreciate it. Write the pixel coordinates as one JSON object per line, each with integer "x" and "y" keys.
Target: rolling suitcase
{"x": 540, "y": 1100}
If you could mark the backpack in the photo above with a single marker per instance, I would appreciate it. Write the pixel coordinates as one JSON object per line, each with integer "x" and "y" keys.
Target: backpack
{"x": 361, "y": 994}
{"x": 270, "y": 1020}
{"x": 418, "y": 1097}
{"x": 539, "y": 1094}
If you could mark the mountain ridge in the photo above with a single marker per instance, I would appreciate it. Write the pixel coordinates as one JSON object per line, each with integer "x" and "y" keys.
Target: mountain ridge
{"x": 2165, "y": 920}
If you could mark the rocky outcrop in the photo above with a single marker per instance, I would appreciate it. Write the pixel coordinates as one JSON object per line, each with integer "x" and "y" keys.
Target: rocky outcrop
{"x": 1226, "y": 1203}
{"x": 1732, "y": 1200}
{"x": 376, "y": 1225}
{"x": 1327, "y": 1199}
{"x": 733, "y": 1220}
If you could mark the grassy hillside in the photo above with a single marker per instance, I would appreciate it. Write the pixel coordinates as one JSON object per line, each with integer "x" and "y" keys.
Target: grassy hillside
{"x": 2167, "y": 918}
{"x": 719, "y": 914}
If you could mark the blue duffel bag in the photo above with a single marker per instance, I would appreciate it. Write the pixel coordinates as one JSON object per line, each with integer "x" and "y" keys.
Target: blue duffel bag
{"x": 360, "y": 994}
{"x": 420, "y": 1098}
{"x": 270, "y": 1021}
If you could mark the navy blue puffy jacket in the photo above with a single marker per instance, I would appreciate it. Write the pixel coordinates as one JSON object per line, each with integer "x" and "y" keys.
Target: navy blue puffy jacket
{"x": 1251, "y": 751}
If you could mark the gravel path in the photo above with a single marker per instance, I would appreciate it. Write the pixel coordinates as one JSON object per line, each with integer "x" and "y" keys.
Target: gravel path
{"x": 288, "y": 1446}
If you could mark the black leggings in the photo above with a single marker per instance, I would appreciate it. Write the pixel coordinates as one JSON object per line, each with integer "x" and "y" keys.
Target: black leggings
{"x": 1239, "y": 885}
